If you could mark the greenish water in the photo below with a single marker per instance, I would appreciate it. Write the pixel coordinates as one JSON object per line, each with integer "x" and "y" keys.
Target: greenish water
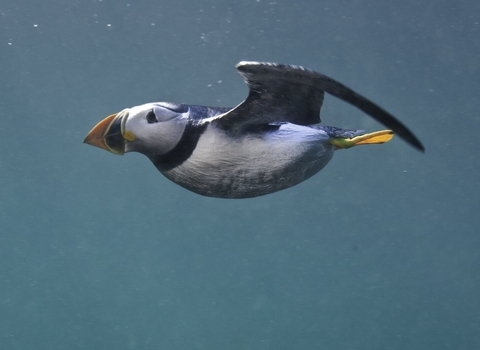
{"x": 380, "y": 250}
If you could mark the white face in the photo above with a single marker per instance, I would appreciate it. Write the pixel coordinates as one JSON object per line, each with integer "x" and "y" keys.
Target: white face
{"x": 157, "y": 127}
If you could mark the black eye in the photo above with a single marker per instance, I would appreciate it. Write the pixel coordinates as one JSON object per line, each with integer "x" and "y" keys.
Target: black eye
{"x": 151, "y": 117}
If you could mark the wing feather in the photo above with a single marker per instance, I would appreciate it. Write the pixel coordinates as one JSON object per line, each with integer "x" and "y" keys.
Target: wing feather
{"x": 293, "y": 94}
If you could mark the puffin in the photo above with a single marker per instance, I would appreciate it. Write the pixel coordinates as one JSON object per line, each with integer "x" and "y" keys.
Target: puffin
{"x": 271, "y": 141}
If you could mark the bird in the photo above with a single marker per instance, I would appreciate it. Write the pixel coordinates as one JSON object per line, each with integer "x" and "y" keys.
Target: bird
{"x": 271, "y": 141}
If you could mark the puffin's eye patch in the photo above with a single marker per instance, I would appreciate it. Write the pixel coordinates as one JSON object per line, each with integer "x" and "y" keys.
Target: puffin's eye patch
{"x": 151, "y": 117}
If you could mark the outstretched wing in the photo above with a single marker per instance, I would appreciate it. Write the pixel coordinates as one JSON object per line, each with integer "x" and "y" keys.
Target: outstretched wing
{"x": 284, "y": 93}
{"x": 278, "y": 93}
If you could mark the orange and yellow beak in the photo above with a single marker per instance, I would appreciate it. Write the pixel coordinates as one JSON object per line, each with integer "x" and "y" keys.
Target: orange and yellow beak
{"x": 110, "y": 134}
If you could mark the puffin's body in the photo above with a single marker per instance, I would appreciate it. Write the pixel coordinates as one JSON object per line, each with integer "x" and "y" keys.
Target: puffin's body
{"x": 271, "y": 141}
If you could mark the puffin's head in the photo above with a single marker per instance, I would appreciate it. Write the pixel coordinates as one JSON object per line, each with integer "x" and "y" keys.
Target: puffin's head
{"x": 152, "y": 129}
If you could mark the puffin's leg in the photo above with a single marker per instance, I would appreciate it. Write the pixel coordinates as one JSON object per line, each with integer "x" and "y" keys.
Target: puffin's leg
{"x": 366, "y": 139}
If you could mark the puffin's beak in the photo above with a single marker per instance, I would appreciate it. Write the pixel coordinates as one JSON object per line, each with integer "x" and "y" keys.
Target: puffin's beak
{"x": 109, "y": 134}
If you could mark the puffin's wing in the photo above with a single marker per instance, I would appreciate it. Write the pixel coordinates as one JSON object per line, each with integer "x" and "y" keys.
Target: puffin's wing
{"x": 277, "y": 93}
{"x": 284, "y": 93}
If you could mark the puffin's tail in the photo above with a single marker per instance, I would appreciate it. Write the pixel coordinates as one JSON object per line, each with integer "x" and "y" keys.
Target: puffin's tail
{"x": 365, "y": 139}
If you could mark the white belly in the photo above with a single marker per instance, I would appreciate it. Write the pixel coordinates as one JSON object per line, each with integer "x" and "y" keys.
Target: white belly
{"x": 253, "y": 165}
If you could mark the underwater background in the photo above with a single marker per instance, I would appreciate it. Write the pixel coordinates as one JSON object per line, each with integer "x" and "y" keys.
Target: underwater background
{"x": 380, "y": 250}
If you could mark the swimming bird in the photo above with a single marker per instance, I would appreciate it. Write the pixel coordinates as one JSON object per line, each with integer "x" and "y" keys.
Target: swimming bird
{"x": 271, "y": 141}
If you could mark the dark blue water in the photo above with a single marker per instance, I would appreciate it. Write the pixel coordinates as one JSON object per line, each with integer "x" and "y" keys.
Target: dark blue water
{"x": 378, "y": 251}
